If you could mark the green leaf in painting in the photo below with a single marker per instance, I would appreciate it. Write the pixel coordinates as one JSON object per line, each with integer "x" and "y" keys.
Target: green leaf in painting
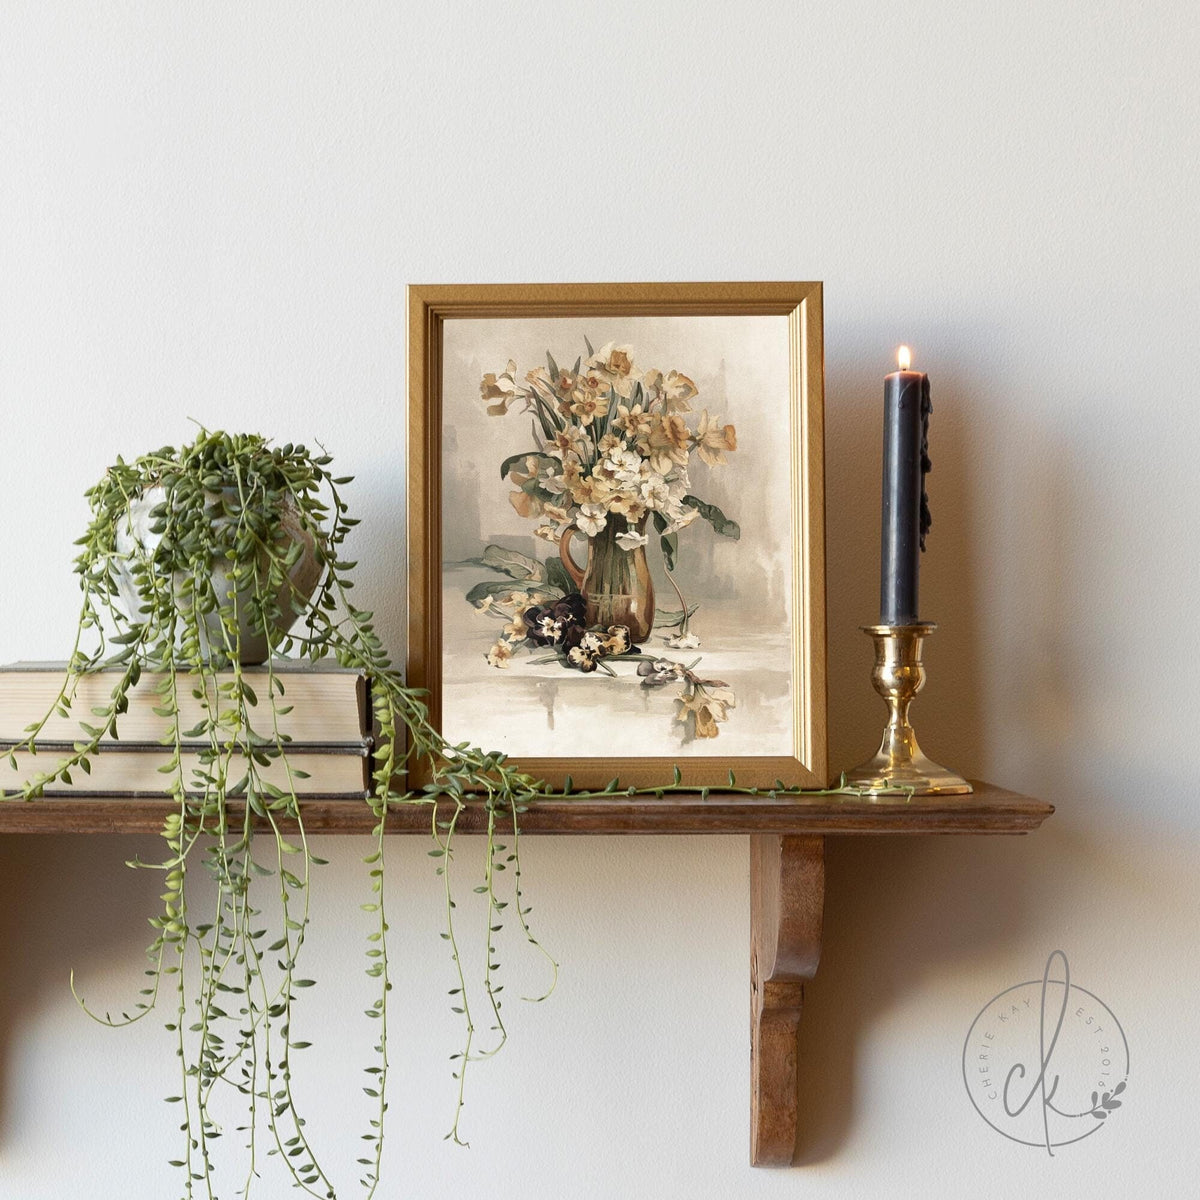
{"x": 513, "y": 459}
{"x": 668, "y": 618}
{"x": 668, "y": 542}
{"x": 511, "y": 563}
{"x": 715, "y": 517}
{"x": 557, "y": 577}
{"x": 491, "y": 587}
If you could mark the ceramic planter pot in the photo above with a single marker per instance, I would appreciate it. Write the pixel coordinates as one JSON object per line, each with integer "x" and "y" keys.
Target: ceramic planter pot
{"x": 303, "y": 578}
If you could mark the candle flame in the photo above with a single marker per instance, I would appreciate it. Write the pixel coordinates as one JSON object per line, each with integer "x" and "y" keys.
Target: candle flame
{"x": 904, "y": 358}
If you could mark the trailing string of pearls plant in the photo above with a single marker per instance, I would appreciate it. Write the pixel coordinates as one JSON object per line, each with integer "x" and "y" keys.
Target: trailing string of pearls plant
{"x": 197, "y": 562}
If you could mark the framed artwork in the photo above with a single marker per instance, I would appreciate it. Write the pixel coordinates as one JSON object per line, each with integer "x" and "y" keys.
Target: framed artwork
{"x": 616, "y": 528}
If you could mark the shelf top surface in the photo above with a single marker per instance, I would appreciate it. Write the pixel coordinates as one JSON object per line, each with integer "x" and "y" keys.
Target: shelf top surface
{"x": 988, "y": 809}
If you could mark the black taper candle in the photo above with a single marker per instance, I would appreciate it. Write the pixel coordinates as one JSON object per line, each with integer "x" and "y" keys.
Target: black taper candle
{"x": 906, "y": 520}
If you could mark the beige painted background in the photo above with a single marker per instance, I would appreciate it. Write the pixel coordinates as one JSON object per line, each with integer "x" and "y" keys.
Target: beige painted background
{"x": 213, "y": 212}
{"x": 741, "y": 366}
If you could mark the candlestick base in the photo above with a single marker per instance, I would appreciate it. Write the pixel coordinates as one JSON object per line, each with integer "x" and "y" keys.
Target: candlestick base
{"x": 898, "y": 675}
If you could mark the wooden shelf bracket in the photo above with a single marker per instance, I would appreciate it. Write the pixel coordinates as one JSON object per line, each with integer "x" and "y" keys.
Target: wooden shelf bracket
{"x": 787, "y": 903}
{"x": 787, "y": 879}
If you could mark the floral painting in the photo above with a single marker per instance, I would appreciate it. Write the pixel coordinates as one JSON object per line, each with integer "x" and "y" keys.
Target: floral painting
{"x": 617, "y": 534}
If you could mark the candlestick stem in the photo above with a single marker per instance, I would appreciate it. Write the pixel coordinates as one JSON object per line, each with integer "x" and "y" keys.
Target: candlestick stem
{"x": 898, "y": 675}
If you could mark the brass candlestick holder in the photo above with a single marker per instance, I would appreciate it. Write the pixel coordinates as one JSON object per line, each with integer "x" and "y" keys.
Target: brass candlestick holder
{"x": 898, "y": 676}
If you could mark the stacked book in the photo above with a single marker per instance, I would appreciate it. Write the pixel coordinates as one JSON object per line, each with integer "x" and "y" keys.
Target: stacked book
{"x": 323, "y": 724}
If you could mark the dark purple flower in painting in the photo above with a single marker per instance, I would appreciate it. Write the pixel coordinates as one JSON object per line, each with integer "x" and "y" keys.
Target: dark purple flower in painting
{"x": 541, "y": 627}
{"x": 582, "y": 659}
{"x": 552, "y": 624}
{"x": 619, "y": 641}
{"x": 572, "y": 636}
{"x": 570, "y": 608}
{"x": 561, "y": 624}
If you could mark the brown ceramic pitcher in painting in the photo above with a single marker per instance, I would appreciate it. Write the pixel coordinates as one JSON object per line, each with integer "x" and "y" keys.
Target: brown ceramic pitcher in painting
{"x": 615, "y": 584}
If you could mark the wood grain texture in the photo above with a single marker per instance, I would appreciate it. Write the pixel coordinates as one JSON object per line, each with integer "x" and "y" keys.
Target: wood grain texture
{"x": 988, "y": 810}
{"x": 787, "y": 905}
{"x": 787, "y": 880}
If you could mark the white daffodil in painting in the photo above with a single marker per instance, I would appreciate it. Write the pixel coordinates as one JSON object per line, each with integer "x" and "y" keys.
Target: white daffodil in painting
{"x": 590, "y": 519}
{"x": 683, "y": 641}
{"x": 587, "y": 405}
{"x": 713, "y": 439}
{"x": 564, "y": 384}
{"x": 540, "y": 381}
{"x": 670, "y": 442}
{"x": 625, "y": 465}
{"x": 500, "y": 390}
{"x": 516, "y": 629}
{"x": 613, "y": 360}
{"x": 524, "y": 504}
{"x": 528, "y": 470}
{"x": 652, "y": 386}
{"x": 550, "y": 477}
{"x": 567, "y": 443}
{"x": 677, "y": 391}
{"x": 615, "y": 363}
{"x": 628, "y": 505}
{"x": 500, "y": 655}
{"x": 678, "y": 483}
{"x": 558, "y": 519}
{"x": 682, "y": 520}
{"x": 655, "y": 492}
{"x": 594, "y": 490}
{"x": 635, "y": 420}
{"x": 562, "y": 477}
{"x": 701, "y": 709}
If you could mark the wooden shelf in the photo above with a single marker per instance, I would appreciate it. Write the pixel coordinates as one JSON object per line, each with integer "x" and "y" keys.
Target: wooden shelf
{"x": 988, "y": 810}
{"x": 787, "y": 882}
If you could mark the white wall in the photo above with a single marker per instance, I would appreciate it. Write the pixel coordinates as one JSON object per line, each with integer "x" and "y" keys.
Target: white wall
{"x": 212, "y": 211}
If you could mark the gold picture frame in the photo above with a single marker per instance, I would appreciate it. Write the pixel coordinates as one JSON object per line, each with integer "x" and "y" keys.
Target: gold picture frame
{"x": 435, "y": 312}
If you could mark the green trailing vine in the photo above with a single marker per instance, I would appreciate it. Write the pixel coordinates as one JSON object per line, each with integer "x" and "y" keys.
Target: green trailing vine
{"x": 230, "y": 517}
{"x": 216, "y": 569}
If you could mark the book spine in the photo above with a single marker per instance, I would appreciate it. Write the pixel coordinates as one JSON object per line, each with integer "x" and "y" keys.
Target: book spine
{"x": 368, "y": 729}
{"x": 361, "y": 749}
{"x": 74, "y": 793}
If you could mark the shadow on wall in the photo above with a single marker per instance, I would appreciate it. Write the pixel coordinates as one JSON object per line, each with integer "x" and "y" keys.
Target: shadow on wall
{"x": 69, "y": 903}
{"x": 897, "y": 909}
{"x": 902, "y": 912}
